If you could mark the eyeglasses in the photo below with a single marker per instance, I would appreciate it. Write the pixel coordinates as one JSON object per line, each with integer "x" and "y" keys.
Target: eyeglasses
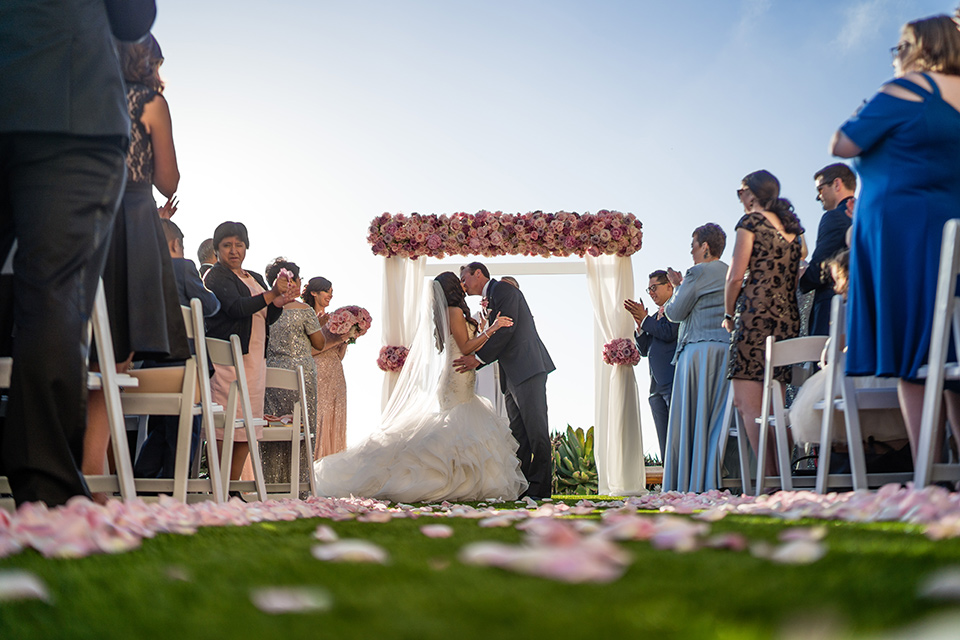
{"x": 653, "y": 287}
{"x": 823, "y": 185}
{"x": 740, "y": 192}
{"x": 900, "y": 48}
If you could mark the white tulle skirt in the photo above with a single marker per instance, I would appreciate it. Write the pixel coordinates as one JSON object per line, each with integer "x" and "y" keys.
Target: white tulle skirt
{"x": 463, "y": 453}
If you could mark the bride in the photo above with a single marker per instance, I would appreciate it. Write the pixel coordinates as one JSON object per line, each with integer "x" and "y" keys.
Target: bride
{"x": 438, "y": 440}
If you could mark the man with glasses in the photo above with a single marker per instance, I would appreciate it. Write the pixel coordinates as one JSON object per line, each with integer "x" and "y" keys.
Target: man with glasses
{"x": 835, "y": 185}
{"x": 656, "y": 338}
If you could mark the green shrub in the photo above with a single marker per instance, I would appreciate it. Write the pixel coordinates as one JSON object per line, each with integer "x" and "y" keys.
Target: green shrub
{"x": 574, "y": 467}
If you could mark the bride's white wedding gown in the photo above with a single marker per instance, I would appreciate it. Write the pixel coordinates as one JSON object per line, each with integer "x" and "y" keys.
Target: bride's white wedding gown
{"x": 463, "y": 452}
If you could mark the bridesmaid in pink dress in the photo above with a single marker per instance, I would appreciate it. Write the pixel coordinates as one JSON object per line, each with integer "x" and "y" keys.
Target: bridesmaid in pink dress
{"x": 331, "y": 383}
{"x": 247, "y": 308}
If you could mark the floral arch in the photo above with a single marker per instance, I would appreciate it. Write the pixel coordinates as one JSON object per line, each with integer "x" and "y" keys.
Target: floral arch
{"x": 605, "y": 240}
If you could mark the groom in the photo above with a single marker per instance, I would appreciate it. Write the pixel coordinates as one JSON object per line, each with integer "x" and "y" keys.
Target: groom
{"x": 524, "y": 363}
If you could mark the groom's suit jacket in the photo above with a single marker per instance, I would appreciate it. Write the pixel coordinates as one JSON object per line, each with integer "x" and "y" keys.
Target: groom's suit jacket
{"x": 518, "y": 349}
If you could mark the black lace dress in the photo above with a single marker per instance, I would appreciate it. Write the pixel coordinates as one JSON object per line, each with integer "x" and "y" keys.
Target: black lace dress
{"x": 767, "y": 304}
{"x": 138, "y": 278}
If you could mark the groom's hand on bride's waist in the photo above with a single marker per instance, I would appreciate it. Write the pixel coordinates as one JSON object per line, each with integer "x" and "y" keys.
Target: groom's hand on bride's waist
{"x": 465, "y": 363}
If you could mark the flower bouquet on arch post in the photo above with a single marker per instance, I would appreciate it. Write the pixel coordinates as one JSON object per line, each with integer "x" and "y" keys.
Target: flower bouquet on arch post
{"x": 350, "y": 321}
{"x": 621, "y": 351}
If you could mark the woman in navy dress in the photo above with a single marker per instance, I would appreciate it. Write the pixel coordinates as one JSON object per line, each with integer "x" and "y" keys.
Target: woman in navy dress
{"x": 906, "y": 141}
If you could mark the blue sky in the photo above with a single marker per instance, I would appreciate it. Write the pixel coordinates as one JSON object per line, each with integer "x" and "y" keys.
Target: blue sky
{"x": 305, "y": 120}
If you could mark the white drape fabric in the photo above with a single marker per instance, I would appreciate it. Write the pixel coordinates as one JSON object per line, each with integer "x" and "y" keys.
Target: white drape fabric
{"x": 402, "y": 293}
{"x": 618, "y": 445}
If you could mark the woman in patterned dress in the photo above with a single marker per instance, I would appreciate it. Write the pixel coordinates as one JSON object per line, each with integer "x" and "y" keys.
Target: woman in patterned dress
{"x": 292, "y": 337}
{"x": 760, "y": 293}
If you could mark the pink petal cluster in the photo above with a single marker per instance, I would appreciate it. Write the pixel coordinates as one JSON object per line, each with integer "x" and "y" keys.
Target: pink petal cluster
{"x": 351, "y": 321}
{"x": 391, "y": 358}
{"x": 621, "y": 351}
{"x": 489, "y": 234}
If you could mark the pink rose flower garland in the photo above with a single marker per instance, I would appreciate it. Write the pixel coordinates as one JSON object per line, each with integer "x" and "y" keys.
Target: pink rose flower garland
{"x": 351, "y": 321}
{"x": 621, "y": 351}
{"x": 498, "y": 234}
{"x": 392, "y": 358}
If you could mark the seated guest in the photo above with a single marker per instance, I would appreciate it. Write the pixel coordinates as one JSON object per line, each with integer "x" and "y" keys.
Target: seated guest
{"x": 158, "y": 454}
{"x": 806, "y": 421}
{"x": 292, "y": 336}
{"x": 206, "y": 255}
{"x": 656, "y": 338}
{"x": 247, "y": 308}
{"x": 700, "y": 384}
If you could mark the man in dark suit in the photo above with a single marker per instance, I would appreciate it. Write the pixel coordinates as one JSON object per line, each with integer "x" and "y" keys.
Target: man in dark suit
{"x": 63, "y": 143}
{"x": 524, "y": 365}
{"x": 656, "y": 339}
{"x": 836, "y": 184}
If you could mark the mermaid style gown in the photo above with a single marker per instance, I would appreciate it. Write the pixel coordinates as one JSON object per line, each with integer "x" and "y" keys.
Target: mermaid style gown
{"x": 464, "y": 451}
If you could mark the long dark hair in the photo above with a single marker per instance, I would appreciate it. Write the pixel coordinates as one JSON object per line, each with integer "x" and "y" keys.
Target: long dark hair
{"x": 314, "y": 286}
{"x": 453, "y": 291}
{"x": 766, "y": 187}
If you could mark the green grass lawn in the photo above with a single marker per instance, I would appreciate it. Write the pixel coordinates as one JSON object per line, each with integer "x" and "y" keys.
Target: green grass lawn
{"x": 867, "y": 582}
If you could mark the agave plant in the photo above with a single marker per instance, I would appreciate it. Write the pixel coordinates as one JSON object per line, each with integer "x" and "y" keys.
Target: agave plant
{"x": 574, "y": 468}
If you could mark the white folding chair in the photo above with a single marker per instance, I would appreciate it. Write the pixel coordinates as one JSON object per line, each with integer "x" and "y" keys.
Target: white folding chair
{"x": 781, "y": 353}
{"x": 841, "y": 394}
{"x": 230, "y": 354}
{"x": 298, "y": 433}
{"x": 173, "y": 391}
{"x": 733, "y": 427}
{"x": 946, "y": 324}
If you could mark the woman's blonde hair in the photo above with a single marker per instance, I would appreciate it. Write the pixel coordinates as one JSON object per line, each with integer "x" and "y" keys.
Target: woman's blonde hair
{"x": 139, "y": 61}
{"x": 937, "y": 45}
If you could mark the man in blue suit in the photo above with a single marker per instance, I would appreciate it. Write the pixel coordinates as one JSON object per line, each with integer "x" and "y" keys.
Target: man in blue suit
{"x": 836, "y": 184}
{"x": 524, "y": 365}
{"x": 656, "y": 338}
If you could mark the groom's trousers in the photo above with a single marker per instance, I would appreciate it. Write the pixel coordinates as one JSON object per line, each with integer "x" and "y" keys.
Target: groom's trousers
{"x": 527, "y": 410}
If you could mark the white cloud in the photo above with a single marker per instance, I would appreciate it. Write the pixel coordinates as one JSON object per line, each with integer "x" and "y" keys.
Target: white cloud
{"x": 863, "y": 21}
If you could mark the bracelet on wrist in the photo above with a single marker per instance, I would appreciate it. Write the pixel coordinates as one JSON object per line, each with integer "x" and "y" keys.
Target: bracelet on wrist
{"x": 728, "y": 316}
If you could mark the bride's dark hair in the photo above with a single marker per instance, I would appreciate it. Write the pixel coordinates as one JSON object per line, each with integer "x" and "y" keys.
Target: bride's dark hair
{"x": 453, "y": 292}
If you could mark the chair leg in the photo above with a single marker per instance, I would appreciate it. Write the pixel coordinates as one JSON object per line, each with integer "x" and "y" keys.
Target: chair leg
{"x": 783, "y": 442}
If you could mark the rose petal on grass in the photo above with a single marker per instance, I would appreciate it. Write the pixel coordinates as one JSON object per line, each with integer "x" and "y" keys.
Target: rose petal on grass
{"x": 350, "y": 551}
{"x": 732, "y": 541}
{"x": 799, "y": 552}
{"x": 941, "y": 585}
{"x": 22, "y": 585}
{"x": 811, "y": 534}
{"x": 324, "y": 533}
{"x": 711, "y": 515}
{"x": 375, "y": 516}
{"x": 276, "y": 600}
{"x": 436, "y": 530}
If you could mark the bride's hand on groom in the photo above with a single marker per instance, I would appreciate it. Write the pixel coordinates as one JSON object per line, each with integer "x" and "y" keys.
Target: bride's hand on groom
{"x": 465, "y": 363}
{"x": 501, "y": 322}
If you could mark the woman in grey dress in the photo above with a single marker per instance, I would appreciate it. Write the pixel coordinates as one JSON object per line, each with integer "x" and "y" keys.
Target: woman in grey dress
{"x": 700, "y": 384}
{"x": 292, "y": 337}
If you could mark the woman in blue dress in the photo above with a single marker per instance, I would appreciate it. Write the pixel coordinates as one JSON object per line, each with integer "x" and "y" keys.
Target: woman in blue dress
{"x": 700, "y": 384}
{"x": 906, "y": 141}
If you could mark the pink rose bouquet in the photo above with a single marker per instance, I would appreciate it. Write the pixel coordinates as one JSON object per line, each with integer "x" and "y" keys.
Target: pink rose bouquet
{"x": 621, "y": 351}
{"x": 392, "y": 358}
{"x": 351, "y": 321}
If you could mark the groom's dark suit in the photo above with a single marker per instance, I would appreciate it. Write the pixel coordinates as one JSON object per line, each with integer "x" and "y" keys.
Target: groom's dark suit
{"x": 524, "y": 363}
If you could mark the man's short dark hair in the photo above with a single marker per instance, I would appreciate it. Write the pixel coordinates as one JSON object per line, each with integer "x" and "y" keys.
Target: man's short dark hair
{"x": 206, "y": 254}
{"x": 478, "y": 266}
{"x": 170, "y": 230}
{"x": 838, "y": 170}
{"x": 660, "y": 275}
{"x": 714, "y": 236}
